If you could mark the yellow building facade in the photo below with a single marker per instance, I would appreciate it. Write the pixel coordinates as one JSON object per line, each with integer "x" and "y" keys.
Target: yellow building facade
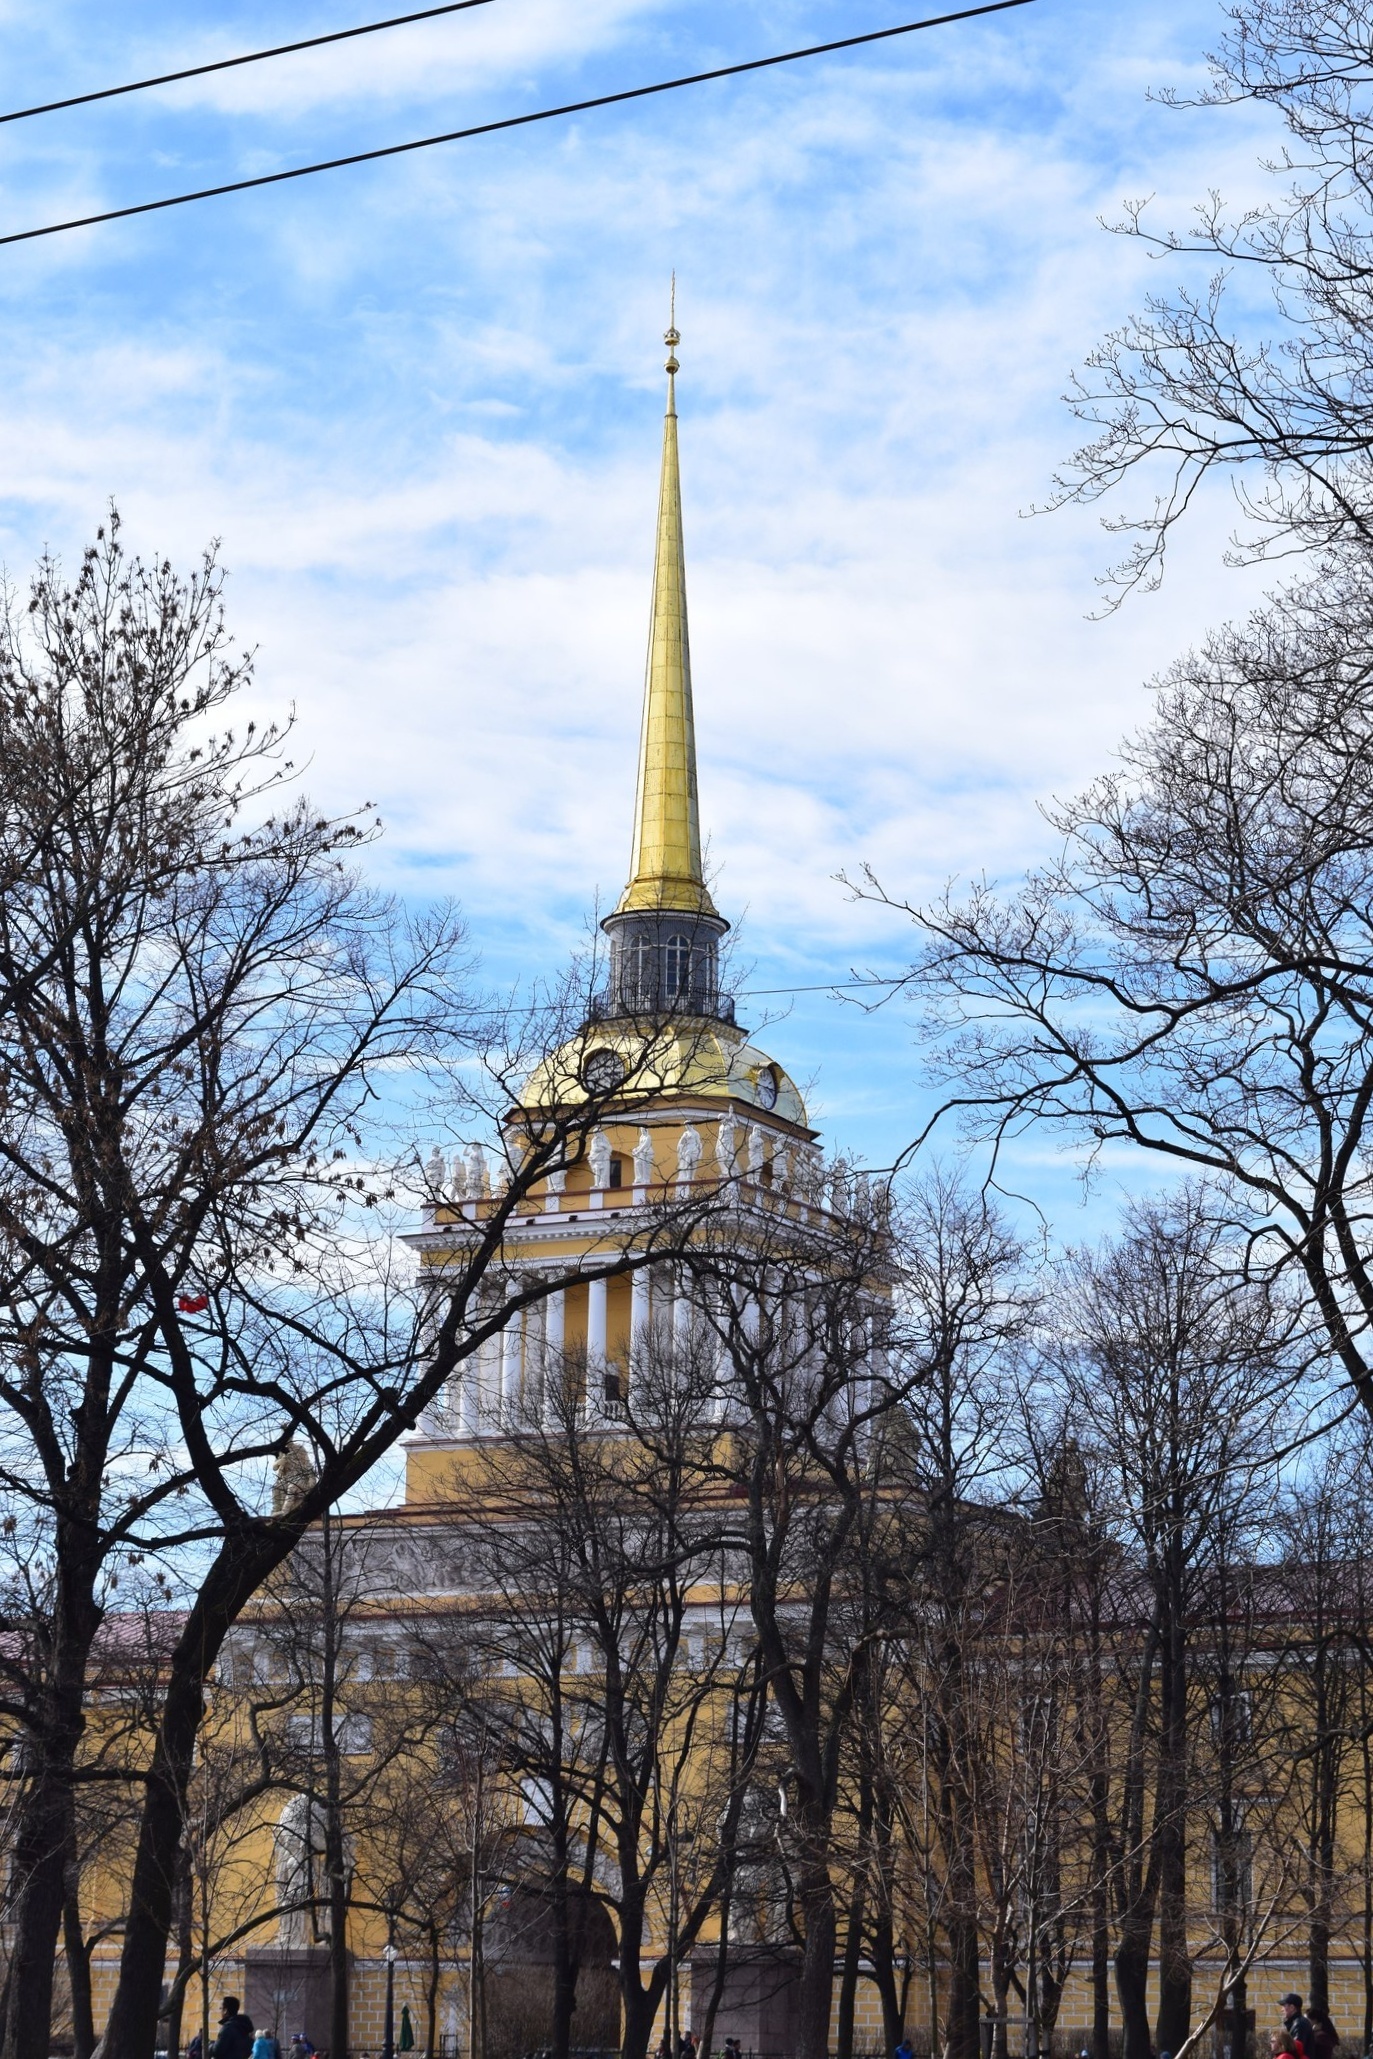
{"x": 688, "y": 1107}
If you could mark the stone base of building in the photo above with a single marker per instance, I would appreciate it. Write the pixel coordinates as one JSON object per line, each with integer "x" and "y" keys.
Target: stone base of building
{"x": 286, "y": 1989}
{"x": 758, "y": 1996}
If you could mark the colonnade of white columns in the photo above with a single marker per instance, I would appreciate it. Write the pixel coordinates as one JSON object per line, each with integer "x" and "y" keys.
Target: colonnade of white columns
{"x": 514, "y": 1375}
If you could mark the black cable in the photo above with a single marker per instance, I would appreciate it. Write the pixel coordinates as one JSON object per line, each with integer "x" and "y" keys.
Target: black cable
{"x": 513, "y": 121}
{"x": 198, "y": 71}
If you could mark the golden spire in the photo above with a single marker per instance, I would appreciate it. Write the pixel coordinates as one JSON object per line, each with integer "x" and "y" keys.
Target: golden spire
{"x": 665, "y": 869}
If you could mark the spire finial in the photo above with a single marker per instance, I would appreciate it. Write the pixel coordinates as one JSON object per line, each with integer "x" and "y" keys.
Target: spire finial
{"x": 671, "y": 338}
{"x": 665, "y": 870}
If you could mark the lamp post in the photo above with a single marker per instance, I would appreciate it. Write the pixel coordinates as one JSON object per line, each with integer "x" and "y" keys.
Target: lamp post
{"x": 388, "y": 2043}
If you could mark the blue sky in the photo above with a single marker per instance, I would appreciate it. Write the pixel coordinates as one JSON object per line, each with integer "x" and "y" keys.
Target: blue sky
{"x": 419, "y": 403}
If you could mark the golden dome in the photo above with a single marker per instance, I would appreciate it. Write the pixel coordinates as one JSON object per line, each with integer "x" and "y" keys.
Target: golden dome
{"x": 684, "y": 1061}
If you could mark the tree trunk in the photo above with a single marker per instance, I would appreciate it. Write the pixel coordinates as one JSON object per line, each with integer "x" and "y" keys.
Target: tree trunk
{"x": 1367, "y": 1756}
{"x": 1328, "y": 1756}
{"x": 338, "y": 1933}
{"x": 848, "y": 1979}
{"x": 853, "y": 1936}
{"x": 42, "y": 1837}
{"x": 1132, "y": 1980}
{"x": 815, "y": 1898}
{"x": 640, "y": 2005}
{"x": 1170, "y": 1832}
{"x": 1101, "y": 1971}
{"x": 239, "y": 1570}
{"x": 564, "y": 1973}
{"x": 884, "y": 1978}
{"x": 1239, "y": 2019}
{"x": 718, "y": 1978}
{"x": 431, "y": 1997}
{"x": 1319, "y": 1962}
{"x": 185, "y": 1949}
{"x": 963, "y": 2034}
{"x": 639, "y": 2002}
{"x": 78, "y": 1976}
{"x": 132, "y": 2029}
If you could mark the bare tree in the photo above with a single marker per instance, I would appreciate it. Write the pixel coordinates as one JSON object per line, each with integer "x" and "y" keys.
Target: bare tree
{"x": 1193, "y": 976}
{"x": 346, "y": 1713}
{"x": 1194, "y": 386}
{"x": 198, "y": 1184}
{"x": 606, "y": 1591}
{"x": 1066, "y": 1571}
{"x": 827, "y": 1332}
{"x": 1179, "y": 1367}
{"x": 1319, "y": 1653}
{"x": 966, "y": 1306}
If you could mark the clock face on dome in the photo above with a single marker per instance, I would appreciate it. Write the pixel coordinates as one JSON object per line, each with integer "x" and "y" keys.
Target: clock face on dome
{"x": 765, "y": 1088}
{"x": 602, "y": 1071}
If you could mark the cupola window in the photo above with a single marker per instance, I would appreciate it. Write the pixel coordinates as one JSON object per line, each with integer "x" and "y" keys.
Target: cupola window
{"x": 678, "y": 967}
{"x": 640, "y": 967}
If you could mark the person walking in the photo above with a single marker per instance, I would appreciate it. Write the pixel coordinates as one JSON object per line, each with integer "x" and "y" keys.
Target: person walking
{"x": 1298, "y": 2026}
{"x": 903, "y": 2050}
{"x": 235, "y": 2039}
{"x": 265, "y": 2046}
{"x": 1325, "y": 2037}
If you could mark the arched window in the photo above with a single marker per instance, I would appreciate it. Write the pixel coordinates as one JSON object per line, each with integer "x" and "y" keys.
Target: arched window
{"x": 678, "y": 967}
{"x": 639, "y": 974}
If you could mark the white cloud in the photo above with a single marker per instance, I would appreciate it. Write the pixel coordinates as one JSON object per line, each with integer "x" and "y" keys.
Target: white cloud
{"x": 420, "y": 405}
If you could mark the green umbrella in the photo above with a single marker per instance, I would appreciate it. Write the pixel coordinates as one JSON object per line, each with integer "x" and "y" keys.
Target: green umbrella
{"x": 406, "y": 2040}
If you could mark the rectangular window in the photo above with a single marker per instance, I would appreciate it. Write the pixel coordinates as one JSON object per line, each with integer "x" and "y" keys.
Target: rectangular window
{"x": 1232, "y": 1872}
{"x": 1239, "y": 1705}
{"x": 617, "y": 1172}
{"x": 536, "y": 1800}
{"x": 354, "y": 1734}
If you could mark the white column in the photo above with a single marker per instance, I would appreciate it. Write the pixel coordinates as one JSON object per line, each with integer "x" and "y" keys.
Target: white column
{"x": 554, "y": 1330}
{"x": 722, "y": 1365}
{"x": 510, "y": 1371}
{"x": 877, "y": 1360}
{"x": 535, "y": 1359}
{"x": 752, "y": 1320}
{"x": 486, "y": 1383}
{"x": 595, "y": 1347}
{"x": 681, "y": 1310}
{"x": 638, "y": 1312}
{"x": 468, "y": 1411}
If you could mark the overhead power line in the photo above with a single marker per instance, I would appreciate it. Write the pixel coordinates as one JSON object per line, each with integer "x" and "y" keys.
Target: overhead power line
{"x": 513, "y": 121}
{"x": 198, "y": 71}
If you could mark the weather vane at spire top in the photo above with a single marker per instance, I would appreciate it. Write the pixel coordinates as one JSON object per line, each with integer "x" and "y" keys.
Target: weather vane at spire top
{"x": 672, "y": 339}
